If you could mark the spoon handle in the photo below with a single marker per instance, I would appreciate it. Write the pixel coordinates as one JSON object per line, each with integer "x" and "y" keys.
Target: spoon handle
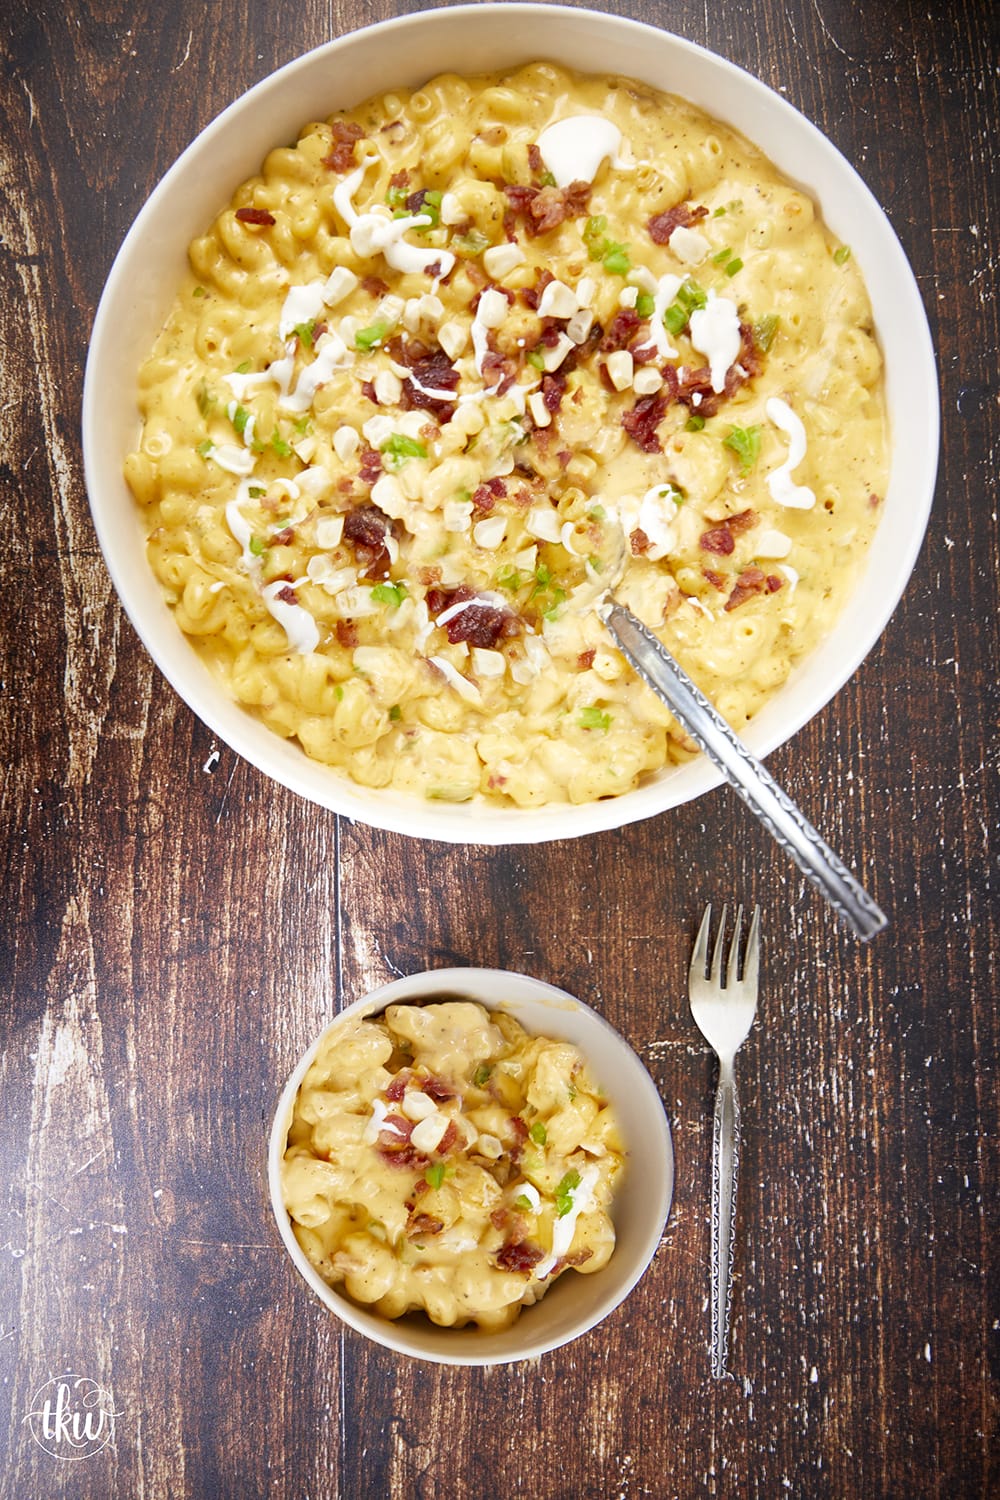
{"x": 744, "y": 773}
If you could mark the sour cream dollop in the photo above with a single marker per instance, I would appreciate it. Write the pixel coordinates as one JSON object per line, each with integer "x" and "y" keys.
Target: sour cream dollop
{"x": 715, "y": 332}
{"x": 573, "y": 149}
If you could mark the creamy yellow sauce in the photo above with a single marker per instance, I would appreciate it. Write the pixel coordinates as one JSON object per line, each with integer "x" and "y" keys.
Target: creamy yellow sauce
{"x": 435, "y": 359}
{"x": 442, "y": 1160}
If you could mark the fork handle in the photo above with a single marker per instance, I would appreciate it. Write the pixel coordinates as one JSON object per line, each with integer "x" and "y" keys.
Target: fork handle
{"x": 725, "y": 1171}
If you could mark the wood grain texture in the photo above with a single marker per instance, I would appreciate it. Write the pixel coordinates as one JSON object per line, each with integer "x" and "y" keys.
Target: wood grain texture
{"x": 176, "y": 930}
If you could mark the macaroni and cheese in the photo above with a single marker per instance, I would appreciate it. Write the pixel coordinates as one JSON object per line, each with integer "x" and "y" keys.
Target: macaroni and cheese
{"x": 435, "y": 358}
{"x": 440, "y": 1159}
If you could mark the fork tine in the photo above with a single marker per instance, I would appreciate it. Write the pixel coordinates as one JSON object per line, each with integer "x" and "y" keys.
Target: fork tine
{"x": 716, "y": 974}
{"x": 732, "y": 967}
{"x": 751, "y": 959}
{"x": 699, "y": 958}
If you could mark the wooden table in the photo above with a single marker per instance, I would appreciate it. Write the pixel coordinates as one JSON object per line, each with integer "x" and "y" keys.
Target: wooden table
{"x": 176, "y": 929}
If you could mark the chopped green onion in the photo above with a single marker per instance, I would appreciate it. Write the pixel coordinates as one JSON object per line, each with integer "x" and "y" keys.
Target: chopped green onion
{"x": 199, "y": 291}
{"x": 694, "y": 423}
{"x": 392, "y": 594}
{"x": 367, "y": 338}
{"x": 399, "y": 447}
{"x": 536, "y": 359}
{"x": 734, "y": 266}
{"x": 616, "y": 260}
{"x": 281, "y": 448}
{"x": 481, "y": 1076}
{"x": 745, "y": 443}
{"x": 592, "y": 717}
{"x": 257, "y": 547}
{"x": 645, "y": 304}
{"x": 471, "y": 244}
{"x": 395, "y": 714}
{"x": 675, "y": 318}
{"x": 543, "y": 575}
{"x": 718, "y": 213}
{"x": 306, "y": 333}
{"x": 431, "y": 208}
{"x": 244, "y": 368}
{"x": 205, "y": 447}
{"x": 256, "y": 492}
{"x": 597, "y": 513}
{"x": 764, "y": 330}
{"x": 302, "y": 425}
{"x": 203, "y": 396}
{"x": 722, "y": 256}
{"x": 524, "y": 1202}
{"x": 691, "y": 295}
{"x": 595, "y": 227}
{"x": 434, "y": 1174}
{"x": 842, "y": 254}
{"x": 565, "y": 1191}
{"x": 396, "y": 197}
{"x": 510, "y": 579}
{"x": 240, "y": 419}
{"x": 538, "y": 1133}
{"x": 451, "y": 793}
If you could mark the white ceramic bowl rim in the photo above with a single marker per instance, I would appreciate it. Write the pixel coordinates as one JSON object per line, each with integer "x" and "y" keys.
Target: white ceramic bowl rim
{"x": 546, "y": 1325}
{"x": 407, "y": 50}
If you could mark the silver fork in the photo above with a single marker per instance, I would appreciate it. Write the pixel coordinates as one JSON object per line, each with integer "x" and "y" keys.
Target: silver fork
{"x": 723, "y": 1009}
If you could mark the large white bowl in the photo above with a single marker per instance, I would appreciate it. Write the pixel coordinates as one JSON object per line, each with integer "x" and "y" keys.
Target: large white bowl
{"x": 577, "y": 1302}
{"x": 405, "y": 52}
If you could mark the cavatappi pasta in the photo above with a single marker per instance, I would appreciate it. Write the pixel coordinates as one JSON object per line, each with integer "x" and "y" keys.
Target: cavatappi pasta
{"x": 434, "y": 358}
{"x": 442, "y": 1160}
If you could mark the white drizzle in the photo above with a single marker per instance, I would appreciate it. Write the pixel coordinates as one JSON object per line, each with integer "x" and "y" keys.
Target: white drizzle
{"x": 582, "y": 1199}
{"x": 297, "y": 623}
{"x": 784, "y": 490}
{"x": 573, "y": 149}
{"x": 715, "y": 332}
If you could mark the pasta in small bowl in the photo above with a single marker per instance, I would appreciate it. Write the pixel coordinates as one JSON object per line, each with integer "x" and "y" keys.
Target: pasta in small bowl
{"x": 421, "y": 321}
{"x": 470, "y": 1166}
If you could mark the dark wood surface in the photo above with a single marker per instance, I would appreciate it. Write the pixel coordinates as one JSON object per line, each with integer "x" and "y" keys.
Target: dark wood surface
{"x": 173, "y": 936}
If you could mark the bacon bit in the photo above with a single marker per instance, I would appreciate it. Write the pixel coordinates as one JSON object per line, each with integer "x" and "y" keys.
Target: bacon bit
{"x": 662, "y": 226}
{"x": 717, "y": 580}
{"x": 498, "y": 1218}
{"x": 371, "y": 465}
{"x": 546, "y": 208}
{"x": 287, "y": 595}
{"x": 423, "y": 1224}
{"x": 346, "y": 136}
{"x": 698, "y": 382}
{"x": 366, "y": 528}
{"x": 745, "y": 520}
{"x": 429, "y": 575}
{"x": 774, "y": 582}
{"x": 750, "y": 582}
{"x": 283, "y": 537}
{"x": 374, "y": 286}
{"x": 434, "y": 370}
{"x": 874, "y": 500}
{"x": 535, "y": 161}
{"x": 255, "y": 216}
{"x": 553, "y": 390}
{"x": 718, "y": 539}
{"x": 523, "y": 498}
{"x": 577, "y": 1258}
{"x": 499, "y": 369}
{"x": 397, "y": 1086}
{"x": 532, "y": 295}
{"x": 624, "y": 326}
{"x": 437, "y": 1089}
{"x": 448, "y": 1139}
{"x": 639, "y": 542}
{"x": 519, "y": 1255}
{"x": 368, "y": 390}
{"x": 480, "y": 624}
{"x": 402, "y": 177}
{"x": 585, "y": 659}
{"x": 347, "y": 634}
{"x": 487, "y": 494}
{"x": 642, "y": 421}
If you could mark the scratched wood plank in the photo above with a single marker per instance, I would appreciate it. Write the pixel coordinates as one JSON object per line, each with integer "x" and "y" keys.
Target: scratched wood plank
{"x": 176, "y": 930}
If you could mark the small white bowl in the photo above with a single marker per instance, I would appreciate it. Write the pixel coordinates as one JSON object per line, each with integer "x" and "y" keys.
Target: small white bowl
{"x": 576, "y": 1303}
{"x": 406, "y": 52}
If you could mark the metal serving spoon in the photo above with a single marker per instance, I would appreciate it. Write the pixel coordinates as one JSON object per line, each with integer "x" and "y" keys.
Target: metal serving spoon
{"x": 744, "y": 773}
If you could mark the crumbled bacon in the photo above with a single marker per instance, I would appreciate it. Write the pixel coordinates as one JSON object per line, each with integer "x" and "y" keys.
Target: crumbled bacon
{"x": 498, "y": 1218}
{"x": 642, "y": 421}
{"x": 535, "y": 161}
{"x": 773, "y": 583}
{"x": 371, "y": 465}
{"x": 401, "y": 178}
{"x": 546, "y": 208}
{"x": 624, "y": 326}
{"x": 718, "y": 540}
{"x": 751, "y": 581}
{"x": 437, "y": 1089}
{"x": 682, "y": 215}
{"x": 368, "y": 391}
{"x": 519, "y": 1255}
{"x": 255, "y": 216}
{"x": 283, "y": 537}
{"x": 423, "y": 1224}
{"x": 448, "y": 1139}
{"x": 366, "y": 528}
{"x": 695, "y": 389}
{"x": 585, "y": 659}
{"x": 487, "y": 494}
{"x": 346, "y": 136}
{"x": 374, "y": 286}
{"x": 347, "y": 634}
{"x": 499, "y": 370}
{"x": 479, "y": 623}
{"x": 553, "y": 390}
{"x": 287, "y": 595}
{"x": 397, "y": 1086}
{"x": 717, "y": 580}
{"x": 532, "y": 295}
{"x": 434, "y": 370}
{"x": 639, "y": 542}
{"x": 744, "y": 520}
